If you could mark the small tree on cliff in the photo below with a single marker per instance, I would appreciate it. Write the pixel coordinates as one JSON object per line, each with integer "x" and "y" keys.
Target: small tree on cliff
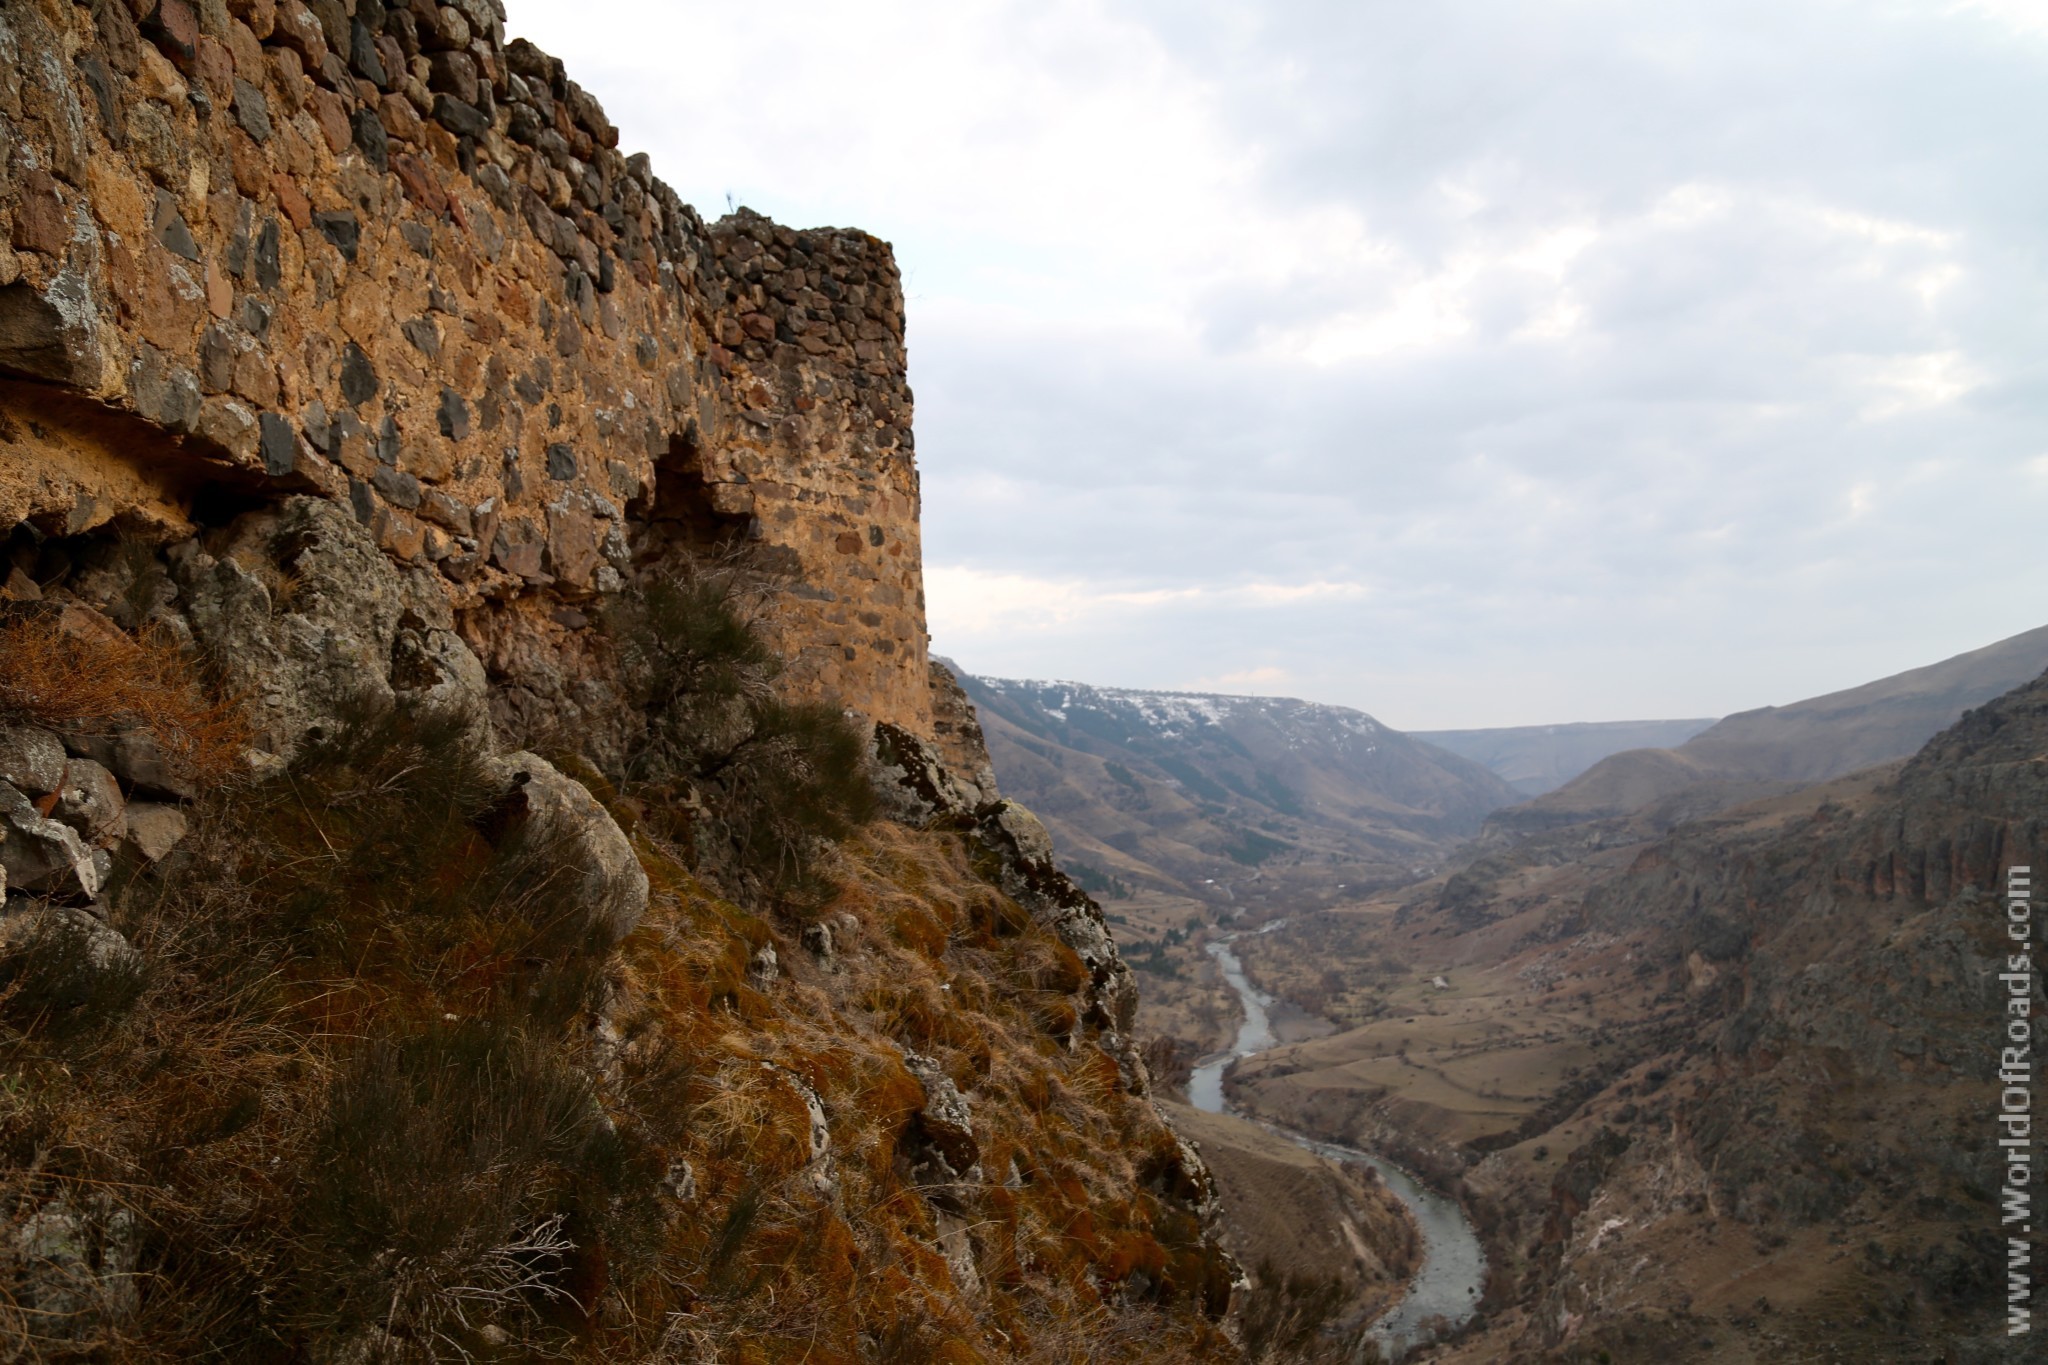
{"x": 773, "y": 778}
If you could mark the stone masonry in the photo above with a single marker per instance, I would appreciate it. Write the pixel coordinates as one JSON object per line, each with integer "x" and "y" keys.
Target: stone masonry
{"x": 368, "y": 249}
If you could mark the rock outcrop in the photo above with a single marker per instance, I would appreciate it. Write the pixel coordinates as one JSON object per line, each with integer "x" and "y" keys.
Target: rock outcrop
{"x": 593, "y": 850}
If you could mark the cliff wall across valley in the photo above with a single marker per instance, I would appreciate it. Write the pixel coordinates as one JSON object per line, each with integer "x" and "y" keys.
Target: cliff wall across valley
{"x": 374, "y": 252}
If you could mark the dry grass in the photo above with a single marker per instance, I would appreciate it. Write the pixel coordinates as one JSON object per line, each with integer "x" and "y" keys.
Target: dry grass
{"x": 1071, "y": 1260}
{"x": 70, "y": 671}
{"x": 379, "y": 1092}
{"x": 349, "y": 1107}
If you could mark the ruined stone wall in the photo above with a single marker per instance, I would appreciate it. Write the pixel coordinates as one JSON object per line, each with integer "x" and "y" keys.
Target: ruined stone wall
{"x": 370, "y": 250}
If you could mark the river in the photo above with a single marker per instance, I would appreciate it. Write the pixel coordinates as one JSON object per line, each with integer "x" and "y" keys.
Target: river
{"x": 1453, "y": 1270}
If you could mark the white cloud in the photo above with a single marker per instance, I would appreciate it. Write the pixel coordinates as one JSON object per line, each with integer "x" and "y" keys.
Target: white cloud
{"x": 1470, "y": 362}
{"x": 2027, "y": 17}
{"x": 1910, "y": 383}
{"x": 965, "y": 603}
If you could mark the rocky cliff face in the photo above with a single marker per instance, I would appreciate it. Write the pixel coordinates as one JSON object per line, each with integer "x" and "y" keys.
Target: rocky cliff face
{"x": 1720, "y": 1087}
{"x": 1834, "y": 1066}
{"x": 350, "y": 378}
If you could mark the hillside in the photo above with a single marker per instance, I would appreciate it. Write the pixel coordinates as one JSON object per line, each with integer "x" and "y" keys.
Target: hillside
{"x": 1296, "y": 1214}
{"x": 1753, "y": 753}
{"x": 1714, "y": 1094}
{"x": 1224, "y": 798}
{"x": 486, "y": 869}
{"x": 1534, "y": 759}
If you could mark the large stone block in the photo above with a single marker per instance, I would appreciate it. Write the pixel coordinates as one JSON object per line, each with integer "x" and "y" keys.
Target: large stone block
{"x": 561, "y": 814}
{"x": 44, "y": 855}
{"x": 48, "y": 334}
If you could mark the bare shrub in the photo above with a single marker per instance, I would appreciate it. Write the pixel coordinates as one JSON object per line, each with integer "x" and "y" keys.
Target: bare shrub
{"x": 776, "y": 779}
{"x": 1295, "y": 1320}
{"x": 442, "y": 1179}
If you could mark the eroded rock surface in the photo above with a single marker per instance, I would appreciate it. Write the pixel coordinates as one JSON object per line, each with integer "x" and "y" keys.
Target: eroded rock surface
{"x": 307, "y": 618}
{"x": 45, "y": 855}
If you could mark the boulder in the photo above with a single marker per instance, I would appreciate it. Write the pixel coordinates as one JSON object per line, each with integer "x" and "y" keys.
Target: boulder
{"x": 89, "y": 800}
{"x": 106, "y": 954}
{"x": 138, "y": 763}
{"x": 818, "y": 1171}
{"x": 913, "y": 781}
{"x": 73, "y": 1270}
{"x": 945, "y": 1124}
{"x": 541, "y": 802}
{"x": 31, "y": 760}
{"x": 679, "y": 1182}
{"x": 154, "y": 830}
{"x": 44, "y": 855}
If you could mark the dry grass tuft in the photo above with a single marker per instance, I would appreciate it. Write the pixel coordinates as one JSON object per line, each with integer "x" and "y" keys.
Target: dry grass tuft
{"x": 57, "y": 672}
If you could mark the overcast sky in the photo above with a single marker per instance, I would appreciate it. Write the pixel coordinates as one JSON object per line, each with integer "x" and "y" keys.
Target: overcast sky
{"x": 1477, "y": 362}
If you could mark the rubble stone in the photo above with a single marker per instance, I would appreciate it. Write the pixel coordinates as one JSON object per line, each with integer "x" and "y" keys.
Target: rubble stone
{"x": 89, "y": 800}
{"x": 945, "y": 1122}
{"x": 44, "y": 855}
{"x": 31, "y": 760}
{"x": 154, "y": 829}
{"x": 541, "y": 799}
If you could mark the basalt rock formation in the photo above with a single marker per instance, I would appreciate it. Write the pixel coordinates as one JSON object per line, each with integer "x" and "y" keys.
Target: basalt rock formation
{"x": 350, "y": 379}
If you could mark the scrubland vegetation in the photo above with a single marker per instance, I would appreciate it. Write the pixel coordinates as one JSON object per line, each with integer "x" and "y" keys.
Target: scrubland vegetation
{"x": 378, "y": 1083}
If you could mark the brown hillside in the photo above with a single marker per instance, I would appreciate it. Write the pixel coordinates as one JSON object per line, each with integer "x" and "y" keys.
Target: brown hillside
{"x": 1232, "y": 802}
{"x": 1754, "y": 752}
{"x": 1534, "y": 759}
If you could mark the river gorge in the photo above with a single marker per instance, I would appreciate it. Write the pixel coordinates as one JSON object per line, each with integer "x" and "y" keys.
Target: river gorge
{"x": 1447, "y": 1286}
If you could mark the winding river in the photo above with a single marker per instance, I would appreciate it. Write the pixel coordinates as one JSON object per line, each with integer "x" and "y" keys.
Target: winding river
{"x": 1453, "y": 1269}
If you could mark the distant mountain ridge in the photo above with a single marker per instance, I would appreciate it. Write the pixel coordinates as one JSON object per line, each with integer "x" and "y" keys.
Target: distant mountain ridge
{"x": 1534, "y": 759}
{"x": 1753, "y": 753}
{"x": 1185, "y": 791}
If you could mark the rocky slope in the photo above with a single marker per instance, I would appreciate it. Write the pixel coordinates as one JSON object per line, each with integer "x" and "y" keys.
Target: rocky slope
{"x": 1778, "y": 747}
{"x": 1292, "y": 1214}
{"x": 489, "y": 872}
{"x": 1275, "y": 800}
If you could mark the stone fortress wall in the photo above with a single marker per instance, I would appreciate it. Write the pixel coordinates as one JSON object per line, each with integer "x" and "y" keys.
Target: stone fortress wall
{"x": 369, "y": 249}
